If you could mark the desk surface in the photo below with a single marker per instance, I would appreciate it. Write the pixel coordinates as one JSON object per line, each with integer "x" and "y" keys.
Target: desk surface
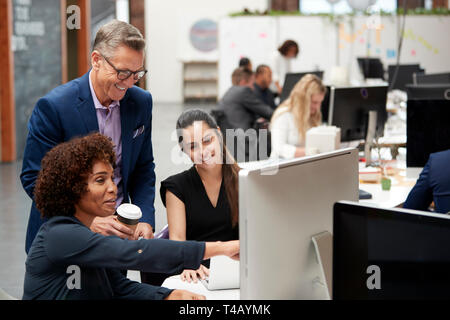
{"x": 386, "y": 199}
{"x": 175, "y": 282}
{"x": 403, "y": 180}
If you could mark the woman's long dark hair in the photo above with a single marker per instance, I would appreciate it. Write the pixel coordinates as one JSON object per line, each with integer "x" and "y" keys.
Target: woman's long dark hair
{"x": 230, "y": 169}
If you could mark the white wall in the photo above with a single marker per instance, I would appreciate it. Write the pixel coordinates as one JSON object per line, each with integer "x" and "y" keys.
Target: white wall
{"x": 122, "y": 10}
{"x": 425, "y": 42}
{"x": 167, "y": 31}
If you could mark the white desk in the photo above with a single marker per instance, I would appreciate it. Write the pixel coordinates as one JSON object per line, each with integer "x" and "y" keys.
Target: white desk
{"x": 175, "y": 282}
{"x": 386, "y": 199}
{"x": 398, "y": 193}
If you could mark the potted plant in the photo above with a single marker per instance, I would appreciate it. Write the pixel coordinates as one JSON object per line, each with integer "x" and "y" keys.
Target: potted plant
{"x": 385, "y": 180}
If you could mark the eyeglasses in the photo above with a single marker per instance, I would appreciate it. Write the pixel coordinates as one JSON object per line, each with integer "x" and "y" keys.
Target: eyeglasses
{"x": 125, "y": 74}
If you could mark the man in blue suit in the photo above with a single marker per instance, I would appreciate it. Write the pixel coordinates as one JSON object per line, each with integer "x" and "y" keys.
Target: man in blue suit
{"x": 433, "y": 185}
{"x": 106, "y": 100}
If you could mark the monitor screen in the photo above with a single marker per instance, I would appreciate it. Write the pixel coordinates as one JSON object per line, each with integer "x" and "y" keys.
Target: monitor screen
{"x": 389, "y": 253}
{"x": 427, "y": 124}
{"x": 404, "y": 75}
{"x": 350, "y": 108}
{"x": 291, "y": 80}
{"x": 428, "y": 91}
{"x": 432, "y": 78}
{"x": 371, "y": 68}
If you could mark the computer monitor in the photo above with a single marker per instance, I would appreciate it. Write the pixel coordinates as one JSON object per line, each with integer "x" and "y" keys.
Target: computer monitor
{"x": 427, "y": 122}
{"x": 434, "y": 78}
{"x": 389, "y": 253}
{"x": 404, "y": 75}
{"x": 281, "y": 206}
{"x": 291, "y": 80}
{"x": 371, "y": 68}
{"x": 348, "y": 108}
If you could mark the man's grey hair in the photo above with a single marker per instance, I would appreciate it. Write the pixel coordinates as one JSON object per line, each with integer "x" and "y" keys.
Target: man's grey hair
{"x": 115, "y": 34}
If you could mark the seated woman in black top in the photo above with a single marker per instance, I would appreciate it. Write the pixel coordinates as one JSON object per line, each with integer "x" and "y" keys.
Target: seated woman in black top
{"x": 202, "y": 202}
{"x": 69, "y": 261}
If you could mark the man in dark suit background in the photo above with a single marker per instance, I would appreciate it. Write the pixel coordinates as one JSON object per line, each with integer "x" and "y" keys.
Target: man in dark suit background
{"x": 433, "y": 185}
{"x": 106, "y": 100}
{"x": 263, "y": 79}
{"x": 240, "y": 104}
{"x": 243, "y": 111}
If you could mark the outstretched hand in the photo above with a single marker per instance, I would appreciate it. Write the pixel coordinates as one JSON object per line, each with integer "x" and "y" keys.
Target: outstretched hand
{"x": 184, "y": 295}
{"x": 194, "y": 275}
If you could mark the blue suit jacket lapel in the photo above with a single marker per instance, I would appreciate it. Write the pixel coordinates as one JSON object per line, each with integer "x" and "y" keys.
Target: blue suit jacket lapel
{"x": 86, "y": 105}
{"x": 88, "y": 115}
{"x": 127, "y": 120}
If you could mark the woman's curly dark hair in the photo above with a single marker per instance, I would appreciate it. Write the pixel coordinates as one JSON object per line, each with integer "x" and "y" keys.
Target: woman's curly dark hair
{"x": 62, "y": 179}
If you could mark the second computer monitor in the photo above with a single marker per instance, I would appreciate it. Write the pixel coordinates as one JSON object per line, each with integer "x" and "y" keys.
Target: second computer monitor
{"x": 371, "y": 68}
{"x": 291, "y": 80}
{"x": 401, "y": 75}
{"x": 389, "y": 253}
{"x": 434, "y": 78}
{"x": 348, "y": 108}
{"x": 281, "y": 206}
{"x": 427, "y": 122}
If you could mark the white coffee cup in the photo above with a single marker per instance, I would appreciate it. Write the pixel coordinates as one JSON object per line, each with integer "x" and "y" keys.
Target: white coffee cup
{"x": 129, "y": 215}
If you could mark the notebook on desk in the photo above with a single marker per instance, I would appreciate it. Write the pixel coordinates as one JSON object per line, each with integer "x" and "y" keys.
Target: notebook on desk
{"x": 223, "y": 274}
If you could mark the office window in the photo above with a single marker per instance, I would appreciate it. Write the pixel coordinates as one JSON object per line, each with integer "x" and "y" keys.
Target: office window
{"x": 323, "y": 6}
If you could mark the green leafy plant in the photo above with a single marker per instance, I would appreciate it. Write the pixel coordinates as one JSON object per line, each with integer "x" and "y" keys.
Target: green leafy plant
{"x": 417, "y": 11}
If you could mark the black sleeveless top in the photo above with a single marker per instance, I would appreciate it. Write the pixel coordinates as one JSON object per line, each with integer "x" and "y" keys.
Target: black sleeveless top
{"x": 203, "y": 221}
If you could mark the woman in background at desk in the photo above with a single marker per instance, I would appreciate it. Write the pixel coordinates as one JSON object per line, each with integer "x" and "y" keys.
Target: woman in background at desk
{"x": 202, "y": 202}
{"x": 297, "y": 114}
{"x": 68, "y": 261}
{"x": 433, "y": 185}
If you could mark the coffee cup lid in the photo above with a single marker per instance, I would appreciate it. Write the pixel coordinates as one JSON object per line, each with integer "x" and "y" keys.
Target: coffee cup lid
{"x": 129, "y": 211}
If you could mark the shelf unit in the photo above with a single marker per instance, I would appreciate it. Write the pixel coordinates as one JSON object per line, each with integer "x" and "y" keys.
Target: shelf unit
{"x": 200, "y": 81}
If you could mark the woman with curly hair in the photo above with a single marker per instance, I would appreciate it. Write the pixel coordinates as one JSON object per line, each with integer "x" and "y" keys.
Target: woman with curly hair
{"x": 74, "y": 186}
{"x": 296, "y": 115}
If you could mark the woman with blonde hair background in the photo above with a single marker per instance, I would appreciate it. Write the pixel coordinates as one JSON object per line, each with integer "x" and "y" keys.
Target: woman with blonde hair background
{"x": 295, "y": 116}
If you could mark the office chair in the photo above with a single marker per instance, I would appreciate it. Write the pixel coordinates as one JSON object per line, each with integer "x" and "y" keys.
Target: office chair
{"x": 164, "y": 233}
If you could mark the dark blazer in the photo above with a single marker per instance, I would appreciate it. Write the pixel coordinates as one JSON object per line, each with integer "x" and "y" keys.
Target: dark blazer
{"x": 242, "y": 107}
{"x": 433, "y": 185}
{"x": 68, "y": 111}
{"x": 265, "y": 95}
{"x": 64, "y": 244}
